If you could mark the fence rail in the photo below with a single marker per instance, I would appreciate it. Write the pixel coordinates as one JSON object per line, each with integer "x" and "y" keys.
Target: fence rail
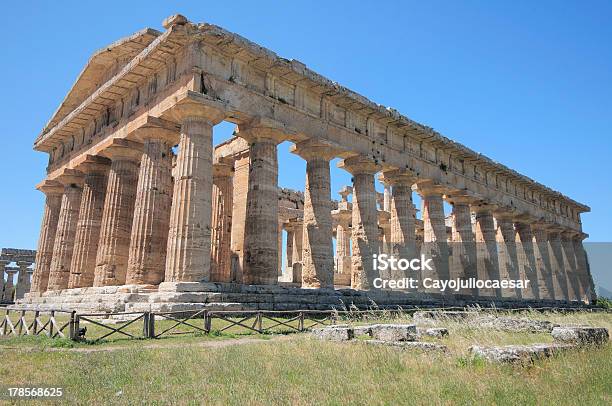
{"x": 149, "y": 325}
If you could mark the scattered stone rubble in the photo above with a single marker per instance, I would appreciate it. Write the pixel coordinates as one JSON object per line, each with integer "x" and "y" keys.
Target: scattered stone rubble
{"x": 476, "y": 319}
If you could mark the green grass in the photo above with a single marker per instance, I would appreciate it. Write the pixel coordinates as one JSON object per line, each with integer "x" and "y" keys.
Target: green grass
{"x": 300, "y": 370}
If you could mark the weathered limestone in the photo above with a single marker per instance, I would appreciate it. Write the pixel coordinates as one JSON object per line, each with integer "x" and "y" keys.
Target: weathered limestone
{"x": 526, "y": 260}
{"x": 402, "y": 220}
{"x": 506, "y": 251}
{"x": 63, "y": 247}
{"x": 23, "y": 279}
{"x": 9, "y": 287}
{"x": 297, "y": 245}
{"x": 542, "y": 261}
{"x": 117, "y": 216}
{"x": 364, "y": 221}
{"x": 221, "y": 223}
{"x": 518, "y": 354}
{"x": 149, "y": 235}
{"x": 435, "y": 244}
{"x": 486, "y": 248}
{"x": 188, "y": 252}
{"x": 53, "y": 191}
{"x": 588, "y": 288}
{"x": 83, "y": 265}
{"x": 240, "y": 188}
{"x": 394, "y": 332}
{"x": 334, "y": 333}
{"x": 574, "y": 285}
{"x": 581, "y": 335}
{"x": 555, "y": 252}
{"x": 317, "y": 251}
{"x": 463, "y": 261}
{"x": 3, "y": 264}
{"x": 261, "y": 224}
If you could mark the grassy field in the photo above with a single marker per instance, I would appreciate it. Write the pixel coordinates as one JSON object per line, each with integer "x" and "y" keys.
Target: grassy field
{"x": 300, "y": 370}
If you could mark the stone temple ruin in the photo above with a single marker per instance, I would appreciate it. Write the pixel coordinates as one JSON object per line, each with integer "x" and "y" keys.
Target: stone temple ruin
{"x": 22, "y": 269}
{"x": 143, "y": 212}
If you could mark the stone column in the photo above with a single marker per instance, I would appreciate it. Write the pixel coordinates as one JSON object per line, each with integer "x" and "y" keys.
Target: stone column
{"x": 387, "y": 197}
{"x": 343, "y": 244}
{"x": 364, "y": 221}
{"x": 526, "y": 261}
{"x": 296, "y": 255}
{"x": 543, "y": 266}
{"x": 279, "y": 252}
{"x": 9, "y": 288}
{"x": 435, "y": 245}
{"x": 487, "y": 264}
{"x": 63, "y": 247}
{"x": 149, "y": 236}
{"x": 569, "y": 263}
{"x": 402, "y": 238}
{"x": 559, "y": 275}
{"x": 464, "y": 259}
{"x": 188, "y": 253}
{"x": 44, "y": 253}
{"x": 22, "y": 279}
{"x": 317, "y": 254}
{"x": 3, "y": 264}
{"x": 506, "y": 252}
{"x": 83, "y": 265}
{"x": 118, "y": 213}
{"x": 240, "y": 190}
{"x": 583, "y": 269}
{"x": 260, "y": 265}
{"x": 221, "y": 223}
{"x": 288, "y": 249}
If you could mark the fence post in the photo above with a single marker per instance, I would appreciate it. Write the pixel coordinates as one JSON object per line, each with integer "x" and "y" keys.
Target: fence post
{"x": 149, "y": 325}
{"x": 6, "y": 316}
{"x": 259, "y": 322}
{"x": 36, "y": 316}
{"x": 51, "y": 321}
{"x": 207, "y": 322}
{"x": 72, "y": 331}
{"x": 301, "y": 322}
{"x": 21, "y": 321}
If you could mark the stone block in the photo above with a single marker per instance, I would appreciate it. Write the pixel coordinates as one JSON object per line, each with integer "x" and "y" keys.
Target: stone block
{"x": 394, "y": 332}
{"x": 334, "y": 333}
{"x": 518, "y": 354}
{"x": 436, "y": 332}
{"x": 410, "y": 345}
{"x": 581, "y": 335}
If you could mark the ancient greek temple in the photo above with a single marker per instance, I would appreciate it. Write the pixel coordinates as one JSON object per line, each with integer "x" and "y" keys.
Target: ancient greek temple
{"x": 143, "y": 211}
{"x": 16, "y": 264}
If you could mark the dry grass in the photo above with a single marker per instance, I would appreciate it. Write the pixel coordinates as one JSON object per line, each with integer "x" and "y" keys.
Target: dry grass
{"x": 305, "y": 371}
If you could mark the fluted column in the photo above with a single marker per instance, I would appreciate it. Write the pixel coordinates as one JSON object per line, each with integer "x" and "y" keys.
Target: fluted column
{"x": 506, "y": 252}
{"x": 487, "y": 264}
{"x": 83, "y": 265}
{"x": 543, "y": 265}
{"x": 221, "y": 223}
{"x": 343, "y": 244}
{"x": 364, "y": 221}
{"x": 402, "y": 238}
{"x": 3, "y": 265}
{"x": 463, "y": 260}
{"x": 569, "y": 263}
{"x": 44, "y": 253}
{"x": 22, "y": 279}
{"x": 9, "y": 287}
{"x": 435, "y": 244}
{"x": 583, "y": 269}
{"x": 317, "y": 252}
{"x": 188, "y": 252}
{"x": 117, "y": 216}
{"x": 240, "y": 186}
{"x": 296, "y": 255}
{"x": 526, "y": 261}
{"x": 261, "y": 223}
{"x": 288, "y": 248}
{"x": 63, "y": 247}
{"x": 559, "y": 275}
{"x": 149, "y": 235}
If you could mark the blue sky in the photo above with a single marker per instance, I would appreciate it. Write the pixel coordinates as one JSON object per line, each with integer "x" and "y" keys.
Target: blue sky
{"x": 527, "y": 83}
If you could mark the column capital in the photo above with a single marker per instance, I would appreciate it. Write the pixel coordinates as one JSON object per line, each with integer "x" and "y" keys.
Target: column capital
{"x": 383, "y": 219}
{"x": 119, "y": 149}
{"x": 359, "y": 164}
{"x": 398, "y": 177}
{"x": 345, "y": 192}
{"x": 222, "y": 170}
{"x": 94, "y": 164}
{"x": 263, "y": 129}
{"x": 196, "y": 106}
{"x": 315, "y": 150}
{"x": 69, "y": 177}
{"x": 464, "y": 197}
{"x": 155, "y": 128}
{"x": 50, "y": 187}
{"x": 483, "y": 207}
{"x": 428, "y": 187}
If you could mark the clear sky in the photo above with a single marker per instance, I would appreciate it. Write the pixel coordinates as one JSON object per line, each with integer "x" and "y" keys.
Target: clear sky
{"x": 526, "y": 83}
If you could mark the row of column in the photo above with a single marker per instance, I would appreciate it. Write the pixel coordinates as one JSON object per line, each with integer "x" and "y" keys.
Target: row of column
{"x": 10, "y": 291}
{"x": 118, "y": 220}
